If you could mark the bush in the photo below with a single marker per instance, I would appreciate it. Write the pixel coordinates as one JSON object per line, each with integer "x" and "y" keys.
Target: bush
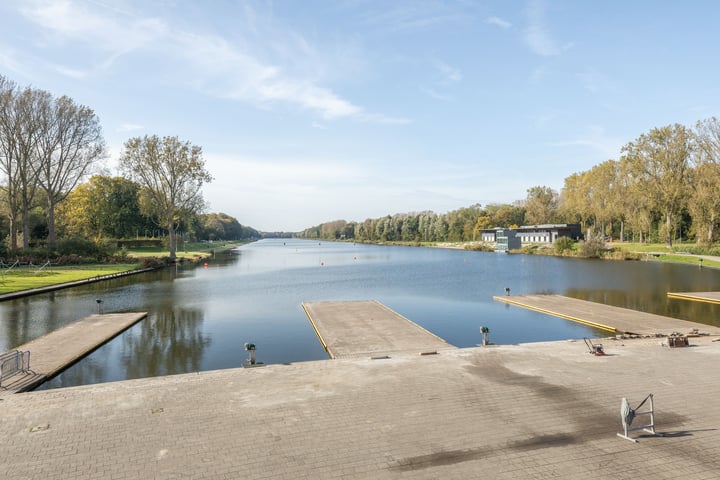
{"x": 564, "y": 244}
{"x": 593, "y": 247}
{"x": 84, "y": 248}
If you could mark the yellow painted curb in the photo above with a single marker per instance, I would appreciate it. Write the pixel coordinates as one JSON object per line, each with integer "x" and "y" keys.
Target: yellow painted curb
{"x": 556, "y": 314}
{"x": 317, "y": 332}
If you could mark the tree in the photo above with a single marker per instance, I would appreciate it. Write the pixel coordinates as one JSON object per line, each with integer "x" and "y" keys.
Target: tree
{"x": 20, "y": 130}
{"x": 104, "y": 207}
{"x": 171, "y": 174}
{"x": 69, "y": 143}
{"x": 704, "y": 203}
{"x": 660, "y": 160}
{"x": 541, "y": 205}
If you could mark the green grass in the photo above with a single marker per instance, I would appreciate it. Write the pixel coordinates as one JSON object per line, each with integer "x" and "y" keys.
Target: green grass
{"x": 189, "y": 250}
{"x": 25, "y": 278}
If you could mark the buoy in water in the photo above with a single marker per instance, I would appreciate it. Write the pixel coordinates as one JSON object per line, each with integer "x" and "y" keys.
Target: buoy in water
{"x": 205, "y": 265}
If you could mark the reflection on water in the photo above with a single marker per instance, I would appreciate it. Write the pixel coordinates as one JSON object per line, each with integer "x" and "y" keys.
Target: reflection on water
{"x": 199, "y": 318}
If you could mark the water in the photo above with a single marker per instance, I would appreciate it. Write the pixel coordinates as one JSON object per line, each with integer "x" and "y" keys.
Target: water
{"x": 199, "y": 318}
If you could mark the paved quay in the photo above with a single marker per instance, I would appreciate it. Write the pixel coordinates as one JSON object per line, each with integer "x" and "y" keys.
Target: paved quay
{"x": 52, "y": 353}
{"x": 529, "y": 411}
{"x": 708, "y": 297}
{"x": 368, "y": 328}
{"x": 606, "y": 317}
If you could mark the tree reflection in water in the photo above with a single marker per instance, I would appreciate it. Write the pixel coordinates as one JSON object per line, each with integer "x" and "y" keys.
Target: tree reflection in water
{"x": 169, "y": 342}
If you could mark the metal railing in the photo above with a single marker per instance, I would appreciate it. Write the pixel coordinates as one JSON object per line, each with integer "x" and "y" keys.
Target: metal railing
{"x": 13, "y": 362}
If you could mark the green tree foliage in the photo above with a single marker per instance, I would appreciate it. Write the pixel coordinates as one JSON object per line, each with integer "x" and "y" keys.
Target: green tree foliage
{"x": 460, "y": 225}
{"x": 541, "y": 205}
{"x": 171, "y": 173}
{"x": 46, "y": 144}
{"x": 220, "y": 226}
{"x": 660, "y": 160}
{"x": 104, "y": 207}
{"x": 704, "y": 202}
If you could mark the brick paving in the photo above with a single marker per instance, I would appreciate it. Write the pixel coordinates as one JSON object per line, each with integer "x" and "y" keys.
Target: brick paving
{"x": 531, "y": 411}
{"x": 52, "y": 353}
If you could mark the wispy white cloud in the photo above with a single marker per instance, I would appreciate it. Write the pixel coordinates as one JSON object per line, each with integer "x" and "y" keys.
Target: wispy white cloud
{"x": 129, "y": 127}
{"x": 537, "y": 36}
{"x": 596, "y": 139}
{"x": 414, "y": 16}
{"x": 446, "y": 76}
{"x": 211, "y": 64}
{"x": 449, "y": 74}
{"x": 71, "y": 72}
{"x": 499, "y": 22}
{"x": 432, "y": 93}
{"x": 595, "y": 82}
{"x": 9, "y": 61}
{"x": 70, "y": 20}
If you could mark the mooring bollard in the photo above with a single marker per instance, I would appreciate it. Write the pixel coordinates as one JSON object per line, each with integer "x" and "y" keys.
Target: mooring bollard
{"x": 250, "y": 348}
{"x": 485, "y": 331}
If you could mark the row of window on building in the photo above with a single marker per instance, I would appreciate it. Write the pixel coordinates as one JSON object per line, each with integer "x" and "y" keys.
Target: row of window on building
{"x": 514, "y": 238}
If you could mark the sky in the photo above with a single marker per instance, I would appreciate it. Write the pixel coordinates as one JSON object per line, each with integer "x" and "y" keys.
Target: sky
{"x": 310, "y": 111}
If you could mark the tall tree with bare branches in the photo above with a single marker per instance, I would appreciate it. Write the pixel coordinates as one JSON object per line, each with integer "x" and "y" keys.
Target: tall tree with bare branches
{"x": 171, "y": 173}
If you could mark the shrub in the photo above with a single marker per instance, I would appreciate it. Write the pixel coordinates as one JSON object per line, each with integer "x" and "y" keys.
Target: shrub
{"x": 564, "y": 244}
{"x": 84, "y": 248}
{"x": 593, "y": 247}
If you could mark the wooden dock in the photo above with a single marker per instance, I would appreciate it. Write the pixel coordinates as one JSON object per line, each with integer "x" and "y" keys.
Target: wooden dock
{"x": 54, "y": 352}
{"x": 607, "y": 317}
{"x": 368, "y": 328}
{"x": 708, "y": 297}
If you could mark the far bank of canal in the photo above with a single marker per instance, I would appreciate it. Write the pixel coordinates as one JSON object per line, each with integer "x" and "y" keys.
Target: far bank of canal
{"x": 199, "y": 318}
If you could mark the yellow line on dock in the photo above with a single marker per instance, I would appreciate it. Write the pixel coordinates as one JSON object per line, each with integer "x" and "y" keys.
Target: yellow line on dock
{"x": 317, "y": 332}
{"x": 600, "y": 326}
{"x": 598, "y": 315}
{"x": 368, "y": 328}
{"x": 707, "y": 297}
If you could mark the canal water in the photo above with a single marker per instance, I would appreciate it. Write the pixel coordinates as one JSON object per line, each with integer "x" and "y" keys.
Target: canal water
{"x": 199, "y": 317}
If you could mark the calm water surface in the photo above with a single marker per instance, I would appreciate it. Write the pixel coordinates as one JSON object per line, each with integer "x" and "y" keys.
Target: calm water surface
{"x": 199, "y": 318}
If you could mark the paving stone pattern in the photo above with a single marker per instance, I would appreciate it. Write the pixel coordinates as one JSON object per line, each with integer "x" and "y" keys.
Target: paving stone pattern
{"x": 533, "y": 411}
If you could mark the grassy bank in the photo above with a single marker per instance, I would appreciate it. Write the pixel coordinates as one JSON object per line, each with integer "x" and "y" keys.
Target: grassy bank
{"x": 29, "y": 277}
{"x": 189, "y": 251}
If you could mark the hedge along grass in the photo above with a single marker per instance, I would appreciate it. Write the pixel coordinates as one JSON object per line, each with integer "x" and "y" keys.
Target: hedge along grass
{"x": 26, "y": 278}
{"x": 190, "y": 250}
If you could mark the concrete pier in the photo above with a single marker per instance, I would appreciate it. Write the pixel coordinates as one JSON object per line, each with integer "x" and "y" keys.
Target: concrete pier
{"x": 607, "y": 317}
{"x": 368, "y": 329}
{"x": 52, "y": 353}
{"x": 544, "y": 410}
{"x": 708, "y": 297}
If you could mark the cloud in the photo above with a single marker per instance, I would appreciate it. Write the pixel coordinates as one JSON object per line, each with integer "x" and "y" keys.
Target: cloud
{"x": 537, "y": 36}
{"x": 432, "y": 93}
{"x": 71, "y": 72}
{"x": 596, "y": 139}
{"x": 449, "y": 74}
{"x": 129, "y": 127}
{"x": 414, "y": 16}
{"x": 9, "y": 61}
{"x": 497, "y": 21}
{"x": 208, "y": 63}
{"x": 595, "y": 82}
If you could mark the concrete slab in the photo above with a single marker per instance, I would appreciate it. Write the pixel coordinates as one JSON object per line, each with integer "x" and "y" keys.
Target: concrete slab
{"x": 607, "y": 317}
{"x": 52, "y": 353}
{"x": 709, "y": 297}
{"x": 368, "y": 329}
{"x": 546, "y": 410}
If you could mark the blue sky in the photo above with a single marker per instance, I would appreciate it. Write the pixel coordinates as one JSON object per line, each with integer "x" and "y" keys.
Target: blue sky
{"x": 310, "y": 111}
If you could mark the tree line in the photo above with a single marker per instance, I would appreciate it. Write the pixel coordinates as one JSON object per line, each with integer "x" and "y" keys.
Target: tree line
{"x": 50, "y": 145}
{"x": 664, "y": 186}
